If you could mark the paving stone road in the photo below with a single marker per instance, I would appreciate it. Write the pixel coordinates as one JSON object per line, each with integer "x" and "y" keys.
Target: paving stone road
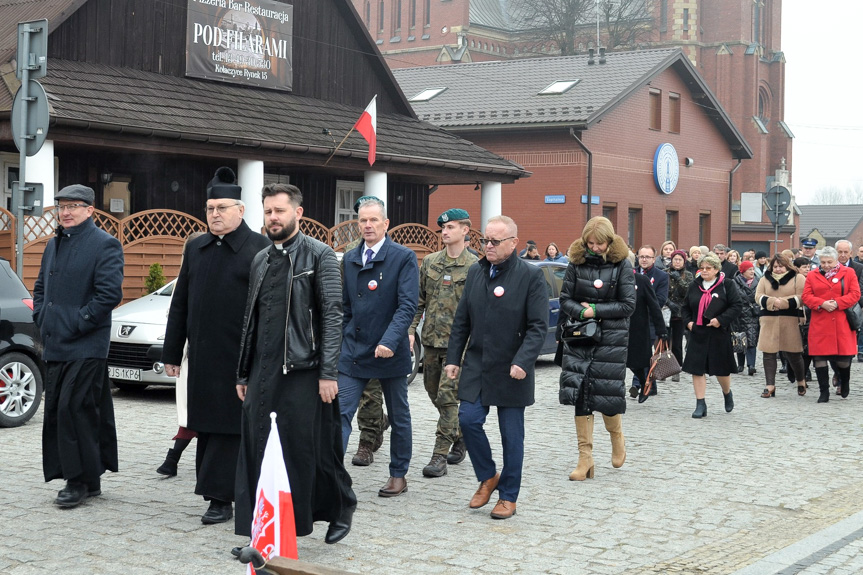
{"x": 776, "y": 486}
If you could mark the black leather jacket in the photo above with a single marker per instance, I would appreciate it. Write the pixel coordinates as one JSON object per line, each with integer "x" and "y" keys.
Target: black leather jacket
{"x": 313, "y": 330}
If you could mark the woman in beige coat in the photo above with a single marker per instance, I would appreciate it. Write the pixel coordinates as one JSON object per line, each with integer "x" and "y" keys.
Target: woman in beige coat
{"x": 779, "y": 295}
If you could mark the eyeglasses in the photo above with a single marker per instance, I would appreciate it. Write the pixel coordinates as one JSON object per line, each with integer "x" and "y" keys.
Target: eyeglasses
{"x": 69, "y": 207}
{"x": 495, "y": 243}
{"x": 647, "y": 257}
{"x": 220, "y": 209}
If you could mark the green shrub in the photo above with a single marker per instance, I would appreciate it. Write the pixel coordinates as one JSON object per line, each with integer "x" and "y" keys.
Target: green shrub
{"x": 155, "y": 280}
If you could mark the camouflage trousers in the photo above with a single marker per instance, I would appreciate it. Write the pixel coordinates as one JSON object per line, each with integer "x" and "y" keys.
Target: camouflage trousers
{"x": 443, "y": 392}
{"x": 370, "y": 414}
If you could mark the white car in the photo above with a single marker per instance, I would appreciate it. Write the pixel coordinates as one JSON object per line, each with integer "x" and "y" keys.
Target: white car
{"x": 137, "y": 337}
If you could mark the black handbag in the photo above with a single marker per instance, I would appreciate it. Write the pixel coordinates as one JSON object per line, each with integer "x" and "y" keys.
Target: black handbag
{"x": 581, "y": 332}
{"x": 853, "y": 314}
{"x": 855, "y": 317}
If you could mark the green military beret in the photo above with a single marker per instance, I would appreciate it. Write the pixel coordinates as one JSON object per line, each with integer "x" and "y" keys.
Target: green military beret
{"x": 366, "y": 199}
{"x": 452, "y": 215}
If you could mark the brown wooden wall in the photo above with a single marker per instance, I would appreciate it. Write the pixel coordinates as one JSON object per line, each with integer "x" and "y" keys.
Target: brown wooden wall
{"x": 332, "y": 58}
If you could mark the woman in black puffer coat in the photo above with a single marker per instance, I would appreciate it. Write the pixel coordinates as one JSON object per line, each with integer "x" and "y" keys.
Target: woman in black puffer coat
{"x": 598, "y": 283}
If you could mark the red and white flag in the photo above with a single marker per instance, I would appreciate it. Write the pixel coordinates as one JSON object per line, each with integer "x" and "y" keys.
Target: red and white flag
{"x": 367, "y": 125}
{"x": 274, "y": 532}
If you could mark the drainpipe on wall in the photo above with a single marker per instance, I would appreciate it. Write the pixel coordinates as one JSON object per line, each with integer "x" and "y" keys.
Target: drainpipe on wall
{"x": 731, "y": 196}
{"x": 589, "y": 170}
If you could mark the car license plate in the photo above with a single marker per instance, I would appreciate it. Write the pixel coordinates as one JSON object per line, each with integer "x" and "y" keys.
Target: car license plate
{"x": 124, "y": 373}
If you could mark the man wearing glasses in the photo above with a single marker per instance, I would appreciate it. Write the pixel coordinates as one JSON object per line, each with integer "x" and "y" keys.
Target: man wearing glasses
{"x": 502, "y": 321}
{"x": 659, "y": 282}
{"x": 80, "y": 281}
{"x": 207, "y": 310}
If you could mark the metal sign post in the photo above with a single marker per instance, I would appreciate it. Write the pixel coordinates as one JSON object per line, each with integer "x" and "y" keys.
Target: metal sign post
{"x": 778, "y": 201}
{"x": 29, "y": 122}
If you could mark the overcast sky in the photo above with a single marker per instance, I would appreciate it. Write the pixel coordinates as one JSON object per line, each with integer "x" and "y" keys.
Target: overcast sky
{"x": 823, "y": 93}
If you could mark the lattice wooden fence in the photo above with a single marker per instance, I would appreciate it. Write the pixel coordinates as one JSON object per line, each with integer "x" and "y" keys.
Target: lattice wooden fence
{"x": 157, "y": 236}
{"x": 7, "y": 236}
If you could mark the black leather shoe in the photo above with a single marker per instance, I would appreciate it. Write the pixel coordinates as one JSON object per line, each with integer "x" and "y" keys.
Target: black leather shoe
{"x": 740, "y": 368}
{"x": 457, "y": 453}
{"x": 73, "y": 494}
{"x": 219, "y": 512}
{"x": 94, "y": 488}
{"x": 633, "y": 391}
{"x": 752, "y": 371}
{"x": 339, "y": 529}
{"x": 235, "y": 551}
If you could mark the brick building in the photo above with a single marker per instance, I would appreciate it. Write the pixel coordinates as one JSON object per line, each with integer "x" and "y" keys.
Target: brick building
{"x": 546, "y": 114}
{"x": 735, "y": 45}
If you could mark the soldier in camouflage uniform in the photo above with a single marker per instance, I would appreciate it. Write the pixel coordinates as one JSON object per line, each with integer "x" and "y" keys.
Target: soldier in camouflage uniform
{"x": 442, "y": 278}
{"x": 371, "y": 418}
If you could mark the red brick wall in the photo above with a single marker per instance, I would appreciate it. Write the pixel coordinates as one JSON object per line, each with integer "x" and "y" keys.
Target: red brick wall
{"x": 622, "y": 174}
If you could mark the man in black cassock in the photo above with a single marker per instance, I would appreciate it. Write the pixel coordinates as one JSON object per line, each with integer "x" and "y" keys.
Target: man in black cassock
{"x": 80, "y": 281}
{"x": 207, "y": 310}
{"x": 289, "y": 365}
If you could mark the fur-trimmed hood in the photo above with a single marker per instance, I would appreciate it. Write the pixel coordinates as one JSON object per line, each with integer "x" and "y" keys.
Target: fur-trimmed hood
{"x": 617, "y": 251}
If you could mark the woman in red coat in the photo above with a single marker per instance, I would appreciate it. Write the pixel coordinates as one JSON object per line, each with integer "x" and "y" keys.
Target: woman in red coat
{"x": 828, "y": 292}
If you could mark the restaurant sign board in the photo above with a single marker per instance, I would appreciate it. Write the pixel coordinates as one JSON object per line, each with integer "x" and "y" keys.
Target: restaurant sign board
{"x": 246, "y": 42}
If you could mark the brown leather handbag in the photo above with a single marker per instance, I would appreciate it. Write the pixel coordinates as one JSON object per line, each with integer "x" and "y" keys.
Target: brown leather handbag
{"x": 663, "y": 365}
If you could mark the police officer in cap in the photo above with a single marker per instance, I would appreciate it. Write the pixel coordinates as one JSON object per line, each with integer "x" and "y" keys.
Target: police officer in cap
{"x": 807, "y": 249}
{"x": 442, "y": 278}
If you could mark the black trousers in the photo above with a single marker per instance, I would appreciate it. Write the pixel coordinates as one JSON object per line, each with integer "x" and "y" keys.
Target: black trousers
{"x": 216, "y": 465}
{"x": 79, "y": 438}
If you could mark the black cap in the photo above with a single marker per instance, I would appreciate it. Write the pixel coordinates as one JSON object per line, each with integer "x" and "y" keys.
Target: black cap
{"x": 224, "y": 185}
{"x": 77, "y": 192}
{"x": 760, "y": 254}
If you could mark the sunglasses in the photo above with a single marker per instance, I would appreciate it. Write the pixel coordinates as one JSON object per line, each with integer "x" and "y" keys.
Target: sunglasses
{"x": 495, "y": 243}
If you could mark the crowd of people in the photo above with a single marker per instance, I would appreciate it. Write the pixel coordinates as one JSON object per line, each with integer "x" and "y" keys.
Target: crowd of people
{"x": 291, "y": 331}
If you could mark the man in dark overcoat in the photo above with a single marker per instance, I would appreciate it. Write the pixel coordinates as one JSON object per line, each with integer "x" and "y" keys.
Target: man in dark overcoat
{"x": 207, "y": 310}
{"x": 292, "y": 333}
{"x": 379, "y": 297}
{"x": 659, "y": 283}
{"x": 80, "y": 281}
{"x": 502, "y": 319}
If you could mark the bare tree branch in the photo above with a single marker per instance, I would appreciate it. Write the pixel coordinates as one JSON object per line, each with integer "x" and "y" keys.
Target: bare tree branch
{"x": 559, "y": 26}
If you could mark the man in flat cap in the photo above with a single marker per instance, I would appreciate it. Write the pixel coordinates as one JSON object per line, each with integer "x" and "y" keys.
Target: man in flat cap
{"x": 80, "y": 281}
{"x": 207, "y": 310}
{"x": 442, "y": 278}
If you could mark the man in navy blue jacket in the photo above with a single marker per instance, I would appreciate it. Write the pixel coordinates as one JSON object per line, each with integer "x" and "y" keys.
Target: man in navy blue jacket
{"x": 80, "y": 282}
{"x": 379, "y": 291}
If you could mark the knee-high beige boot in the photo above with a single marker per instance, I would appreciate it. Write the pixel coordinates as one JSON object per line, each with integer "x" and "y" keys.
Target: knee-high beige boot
{"x": 584, "y": 430}
{"x": 614, "y": 427}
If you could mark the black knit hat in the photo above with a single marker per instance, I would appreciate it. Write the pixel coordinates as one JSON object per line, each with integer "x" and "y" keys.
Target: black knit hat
{"x": 224, "y": 185}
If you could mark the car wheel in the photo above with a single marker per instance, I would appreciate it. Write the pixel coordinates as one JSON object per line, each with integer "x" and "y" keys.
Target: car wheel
{"x": 20, "y": 389}
{"x": 128, "y": 387}
{"x": 415, "y": 361}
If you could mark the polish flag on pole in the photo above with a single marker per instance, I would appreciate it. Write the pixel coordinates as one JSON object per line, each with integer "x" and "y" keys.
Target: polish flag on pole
{"x": 274, "y": 532}
{"x": 367, "y": 125}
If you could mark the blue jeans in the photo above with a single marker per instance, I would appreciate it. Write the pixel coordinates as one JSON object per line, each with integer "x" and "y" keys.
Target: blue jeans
{"x": 471, "y": 418}
{"x": 398, "y": 410}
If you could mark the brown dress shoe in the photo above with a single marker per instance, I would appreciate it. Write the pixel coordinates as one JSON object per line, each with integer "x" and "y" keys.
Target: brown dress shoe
{"x": 503, "y": 510}
{"x": 395, "y": 486}
{"x": 483, "y": 494}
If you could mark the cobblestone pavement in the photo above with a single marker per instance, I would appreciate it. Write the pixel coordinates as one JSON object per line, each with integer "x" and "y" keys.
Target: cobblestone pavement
{"x": 776, "y": 486}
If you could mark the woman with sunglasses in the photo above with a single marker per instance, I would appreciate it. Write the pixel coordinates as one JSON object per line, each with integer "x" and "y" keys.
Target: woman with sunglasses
{"x": 711, "y": 305}
{"x": 599, "y": 284}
